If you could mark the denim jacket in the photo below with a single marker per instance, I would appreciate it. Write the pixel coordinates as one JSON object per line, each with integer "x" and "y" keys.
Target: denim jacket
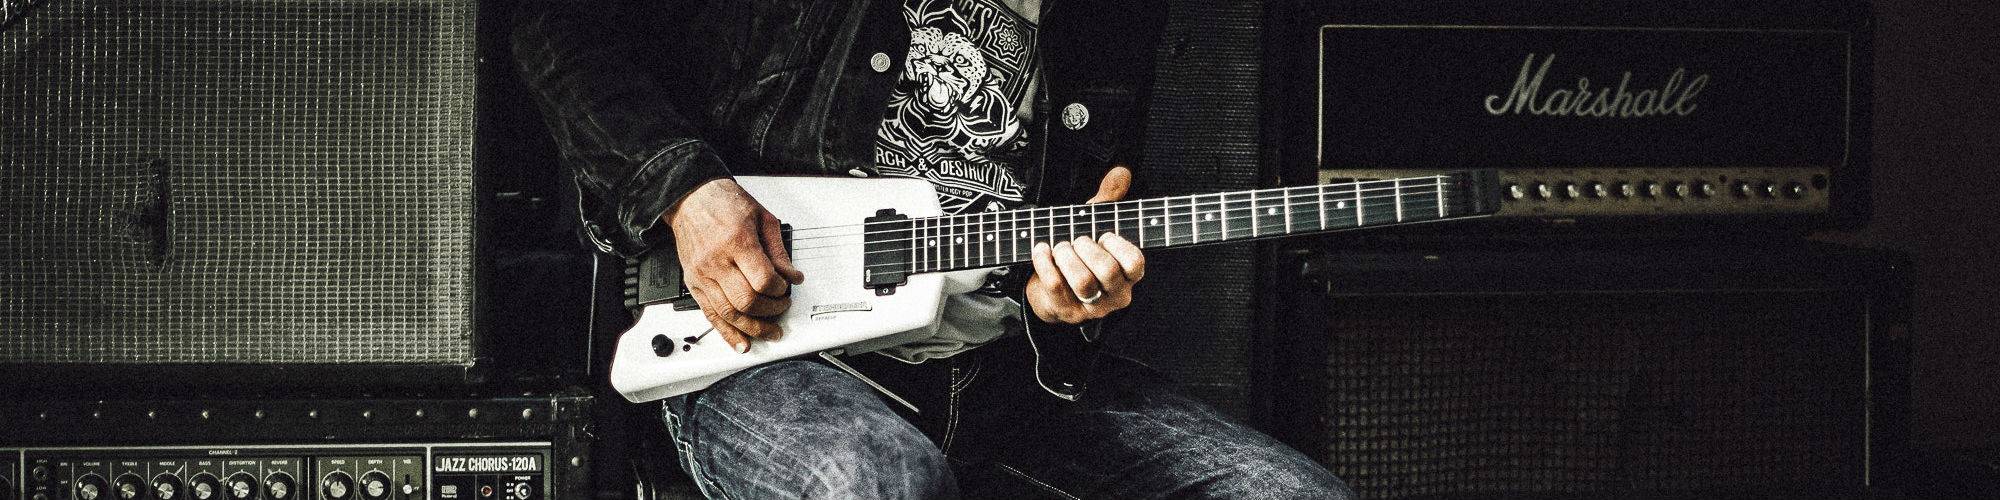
{"x": 647, "y": 100}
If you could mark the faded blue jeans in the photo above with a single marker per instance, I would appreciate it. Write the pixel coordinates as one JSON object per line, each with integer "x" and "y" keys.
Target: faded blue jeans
{"x": 803, "y": 429}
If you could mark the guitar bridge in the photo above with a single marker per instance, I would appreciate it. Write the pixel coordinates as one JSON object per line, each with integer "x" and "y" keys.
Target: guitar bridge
{"x": 885, "y": 251}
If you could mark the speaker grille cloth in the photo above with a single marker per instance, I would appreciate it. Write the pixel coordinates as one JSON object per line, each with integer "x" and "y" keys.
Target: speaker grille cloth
{"x": 1579, "y": 393}
{"x": 237, "y": 182}
{"x": 1193, "y": 317}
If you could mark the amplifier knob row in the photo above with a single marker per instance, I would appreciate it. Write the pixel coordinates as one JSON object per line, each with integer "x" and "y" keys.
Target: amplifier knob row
{"x": 1698, "y": 189}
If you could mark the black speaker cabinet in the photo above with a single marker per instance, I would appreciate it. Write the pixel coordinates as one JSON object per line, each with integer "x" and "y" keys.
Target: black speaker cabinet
{"x": 1732, "y": 370}
{"x": 200, "y": 191}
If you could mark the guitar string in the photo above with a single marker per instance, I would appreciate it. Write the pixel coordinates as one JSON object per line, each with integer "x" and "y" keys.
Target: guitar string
{"x": 971, "y": 220}
{"x": 1289, "y": 193}
{"x": 1197, "y": 237}
{"x": 1354, "y": 188}
{"x": 1044, "y": 221}
{"x": 819, "y": 263}
{"x": 1198, "y": 234}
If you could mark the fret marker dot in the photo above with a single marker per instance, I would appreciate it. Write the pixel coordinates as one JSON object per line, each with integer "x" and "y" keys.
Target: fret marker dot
{"x": 1341, "y": 205}
{"x": 960, "y": 239}
{"x": 1273, "y": 211}
{"x": 1207, "y": 216}
{"x": 932, "y": 242}
{"x": 1024, "y": 234}
{"x": 1156, "y": 221}
{"x": 989, "y": 237}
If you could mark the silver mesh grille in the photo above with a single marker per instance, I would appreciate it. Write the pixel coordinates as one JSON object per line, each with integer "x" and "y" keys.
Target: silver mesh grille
{"x": 237, "y": 182}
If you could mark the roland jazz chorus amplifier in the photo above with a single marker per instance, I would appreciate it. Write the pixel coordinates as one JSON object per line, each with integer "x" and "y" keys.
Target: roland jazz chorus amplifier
{"x": 1601, "y": 114}
{"x": 522, "y": 447}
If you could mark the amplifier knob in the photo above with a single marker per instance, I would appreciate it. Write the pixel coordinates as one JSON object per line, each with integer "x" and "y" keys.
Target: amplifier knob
{"x": 1795, "y": 190}
{"x": 375, "y": 485}
{"x": 336, "y": 485}
{"x": 279, "y": 486}
{"x": 1624, "y": 190}
{"x": 1570, "y": 191}
{"x": 1516, "y": 192}
{"x": 167, "y": 487}
{"x": 1679, "y": 190}
{"x": 1767, "y": 189}
{"x": 40, "y": 473}
{"x": 90, "y": 487}
{"x": 1650, "y": 189}
{"x": 203, "y": 487}
{"x": 1703, "y": 189}
{"x": 242, "y": 486}
{"x": 1543, "y": 191}
{"x": 1740, "y": 188}
{"x": 1595, "y": 190}
{"x": 129, "y": 487}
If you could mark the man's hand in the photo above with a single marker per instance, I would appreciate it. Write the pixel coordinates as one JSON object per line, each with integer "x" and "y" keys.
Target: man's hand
{"x": 1102, "y": 269}
{"x": 733, "y": 260}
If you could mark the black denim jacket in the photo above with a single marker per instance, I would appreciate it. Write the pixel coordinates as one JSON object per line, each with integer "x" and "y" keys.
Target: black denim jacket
{"x": 647, "y": 100}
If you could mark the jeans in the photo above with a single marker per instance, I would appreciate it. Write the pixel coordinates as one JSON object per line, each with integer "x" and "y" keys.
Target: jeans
{"x": 798, "y": 429}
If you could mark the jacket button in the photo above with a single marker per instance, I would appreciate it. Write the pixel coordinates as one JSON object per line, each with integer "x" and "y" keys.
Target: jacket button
{"x": 879, "y": 61}
{"x": 1075, "y": 116}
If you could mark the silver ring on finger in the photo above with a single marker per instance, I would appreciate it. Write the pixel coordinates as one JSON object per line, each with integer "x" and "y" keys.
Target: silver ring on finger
{"x": 1092, "y": 299}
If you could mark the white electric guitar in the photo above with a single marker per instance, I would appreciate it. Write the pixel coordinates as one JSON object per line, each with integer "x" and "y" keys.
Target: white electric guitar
{"x": 878, "y": 257}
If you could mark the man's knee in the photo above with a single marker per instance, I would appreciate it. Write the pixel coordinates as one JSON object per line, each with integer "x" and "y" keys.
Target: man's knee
{"x": 896, "y": 462}
{"x": 1281, "y": 474}
{"x": 805, "y": 429}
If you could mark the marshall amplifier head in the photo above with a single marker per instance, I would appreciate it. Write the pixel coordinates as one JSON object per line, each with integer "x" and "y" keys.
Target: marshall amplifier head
{"x": 1601, "y": 114}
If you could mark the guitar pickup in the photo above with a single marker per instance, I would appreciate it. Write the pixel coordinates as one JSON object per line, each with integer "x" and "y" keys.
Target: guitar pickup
{"x": 885, "y": 251}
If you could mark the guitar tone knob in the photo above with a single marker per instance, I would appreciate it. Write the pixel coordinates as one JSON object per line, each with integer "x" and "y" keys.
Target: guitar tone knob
{"x": 663, "y": 345}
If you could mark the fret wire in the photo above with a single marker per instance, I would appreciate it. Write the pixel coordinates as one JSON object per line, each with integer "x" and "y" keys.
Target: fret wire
{"x": 949, "y": 231}
{"x": 1399, "y": 200}
{"x": 1439, "y": 184}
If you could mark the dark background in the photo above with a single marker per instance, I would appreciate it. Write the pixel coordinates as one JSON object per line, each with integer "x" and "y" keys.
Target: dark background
{"x": 1934, "y": 193}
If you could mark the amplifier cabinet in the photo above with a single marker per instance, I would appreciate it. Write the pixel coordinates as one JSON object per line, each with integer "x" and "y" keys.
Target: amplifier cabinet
{"x": 1626, "y": 114}
{"x": 1724, "y": 370}
{"x": 524, "y": 447}
{"x": 209, "y": 192}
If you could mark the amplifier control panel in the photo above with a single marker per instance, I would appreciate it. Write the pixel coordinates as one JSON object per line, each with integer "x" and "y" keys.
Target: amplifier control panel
{"x": 1567, "y": 194}
{"x": 445, "y": 471}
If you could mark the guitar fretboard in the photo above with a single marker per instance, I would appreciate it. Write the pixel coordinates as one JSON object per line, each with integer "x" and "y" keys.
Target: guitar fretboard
{"x": 1006, "y": 237}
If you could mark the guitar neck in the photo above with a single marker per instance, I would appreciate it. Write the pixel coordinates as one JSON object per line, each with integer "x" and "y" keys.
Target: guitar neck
{"x": 989, "y": 239}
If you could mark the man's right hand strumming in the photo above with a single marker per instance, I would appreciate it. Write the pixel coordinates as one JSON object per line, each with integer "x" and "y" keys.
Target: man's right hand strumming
{"x": 733, "y": 260}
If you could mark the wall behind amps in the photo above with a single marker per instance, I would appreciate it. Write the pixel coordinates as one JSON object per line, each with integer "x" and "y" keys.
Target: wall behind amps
{"x": 1598, "y": 372}
{"x": 1605, "y": 117}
